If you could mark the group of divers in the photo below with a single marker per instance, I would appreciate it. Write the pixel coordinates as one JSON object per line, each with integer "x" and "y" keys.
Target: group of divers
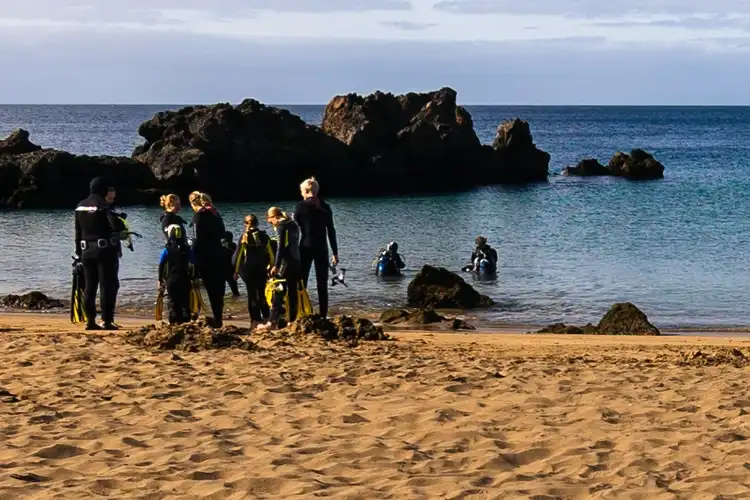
{"x": 275, "y": 269}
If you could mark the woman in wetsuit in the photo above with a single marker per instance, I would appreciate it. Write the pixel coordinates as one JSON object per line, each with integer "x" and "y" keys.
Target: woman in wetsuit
{"x": 252, "y": 260}
{"x": 208, "y": 231}
{"x": 175, "y": 261}
{"x": 286, "y": 265}
{"x": 315, "y": 219}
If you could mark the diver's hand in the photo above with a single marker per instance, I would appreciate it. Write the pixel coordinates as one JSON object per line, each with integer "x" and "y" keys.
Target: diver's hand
{"x": 273, "y": 271}
{"x": 335, "y": 260}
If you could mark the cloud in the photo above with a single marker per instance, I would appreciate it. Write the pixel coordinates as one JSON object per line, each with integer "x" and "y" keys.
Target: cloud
{"x": 408, "y": 25}
{"x": 714, "y": 22}
{"x": 593, "y": 8}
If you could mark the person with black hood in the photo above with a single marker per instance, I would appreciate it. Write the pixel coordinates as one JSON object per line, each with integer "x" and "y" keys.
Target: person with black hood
{"x": 208, "y": 231}
{"x": 97, "y": 241}
{"x": 315, "y": 220}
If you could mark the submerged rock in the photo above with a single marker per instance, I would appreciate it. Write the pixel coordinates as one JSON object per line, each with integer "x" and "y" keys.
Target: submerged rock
{"x": 33, "y": 301}
{"x": 344, "y": 328}
{"x": 638, "y": 165}
{"x": 621, "y": 319}
{"x": 193, "y": 337}
{"x": 436, "y": 287}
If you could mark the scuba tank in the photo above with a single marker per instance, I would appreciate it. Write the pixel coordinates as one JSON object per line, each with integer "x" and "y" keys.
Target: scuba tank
{"x": 384, "y": 263}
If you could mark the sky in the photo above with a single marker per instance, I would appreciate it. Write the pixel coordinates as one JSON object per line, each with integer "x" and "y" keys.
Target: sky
{"x": 535, "y": 52}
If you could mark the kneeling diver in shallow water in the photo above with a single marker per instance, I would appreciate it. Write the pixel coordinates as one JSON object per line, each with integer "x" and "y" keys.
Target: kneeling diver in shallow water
{"x": 389, "y": 262}
{"x": 483, "y": 258}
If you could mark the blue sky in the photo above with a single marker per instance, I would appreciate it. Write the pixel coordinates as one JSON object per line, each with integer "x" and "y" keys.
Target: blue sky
{"x": 306, "y": 51}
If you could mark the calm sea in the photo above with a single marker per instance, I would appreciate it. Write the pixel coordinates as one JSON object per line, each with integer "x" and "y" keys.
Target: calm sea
{"x": 677, "y": 248}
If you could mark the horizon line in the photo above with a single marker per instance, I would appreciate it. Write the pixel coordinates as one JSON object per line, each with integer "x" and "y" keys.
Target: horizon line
{"x": 278, "y": 105}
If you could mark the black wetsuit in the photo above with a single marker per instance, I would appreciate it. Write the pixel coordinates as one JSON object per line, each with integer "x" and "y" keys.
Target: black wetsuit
{"x": 209, "y": 229}
{"x": 287, "y": 263}
{"x": 315, "y": 219}
{"x": 252, "y": 265}
{"x": 485, "y": 252}
{"x": 395, "y": 264}
{"x": 230, "y": 247}
{"x": 174, "y": 267}
{"x": 96, "y": 241}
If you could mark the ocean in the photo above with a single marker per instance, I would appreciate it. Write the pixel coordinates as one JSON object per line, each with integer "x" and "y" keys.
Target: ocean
{"x": 568, "y": 249}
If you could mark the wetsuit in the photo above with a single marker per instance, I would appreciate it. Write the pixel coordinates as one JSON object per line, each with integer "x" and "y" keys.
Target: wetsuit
{"x": 485, "y": 252}
{"x": 287, "y": 263}
{"x": 230, "y": 247}
{"x": 174, "y": 267}
{"x": 394, "y": 266}
{"x": 97, "y": 240}
{"x": 315, "y": 219}
{"x": 252, "y": 261}
{"x": 208, "y": 228}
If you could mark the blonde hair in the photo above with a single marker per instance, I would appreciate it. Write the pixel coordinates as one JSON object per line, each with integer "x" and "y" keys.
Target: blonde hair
{"x": 169, "y": 202}
{"x": 198, "y": 199}
{"x": 277, "y": 213}
{"x": 310, "y": 186}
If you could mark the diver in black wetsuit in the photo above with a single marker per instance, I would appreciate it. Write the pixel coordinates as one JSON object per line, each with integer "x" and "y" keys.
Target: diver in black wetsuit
{"x": 483, "y": 258}
{"x": 230, "y": 247}
{"x": 208, "y": 228}
{"x": 315, "y": 220}
{"x": 286, "y": 265}
{"x": 97, "y": 240}
{"x": 252, "y": 261}
{"x": 175, "y": 261}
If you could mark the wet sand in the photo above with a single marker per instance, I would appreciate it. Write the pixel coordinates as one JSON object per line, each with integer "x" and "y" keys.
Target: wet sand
{"x": 429, "y": 415}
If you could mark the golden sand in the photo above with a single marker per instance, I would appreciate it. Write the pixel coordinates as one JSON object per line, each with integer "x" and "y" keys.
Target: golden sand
{"x": 424, "y": 416}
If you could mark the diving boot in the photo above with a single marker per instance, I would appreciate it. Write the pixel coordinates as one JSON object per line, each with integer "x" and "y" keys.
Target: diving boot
{"x": 93, "y": 327}
{"x": 110, "y": 327}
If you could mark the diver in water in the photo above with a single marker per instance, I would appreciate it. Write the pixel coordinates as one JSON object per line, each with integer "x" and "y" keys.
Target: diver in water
{"x": 389, "y": 261}
{"x": 208, "y": 228}
{"x": 230, "y": 247}
{"x": 97, "y": 239}
{"x": 175, "y": 263}
{"x": 286, "y": 266}
{"x": 251, "y": 262}
{"x": 483, "y": 258}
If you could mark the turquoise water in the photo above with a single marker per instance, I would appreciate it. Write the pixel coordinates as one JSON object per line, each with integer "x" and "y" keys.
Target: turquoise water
{"x": 568, "y": 248}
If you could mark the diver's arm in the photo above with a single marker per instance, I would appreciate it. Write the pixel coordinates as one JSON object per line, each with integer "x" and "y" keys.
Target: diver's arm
{"x": 400, "y": 262}
{"x": 162, "y": 264}
{"x": 281, "y": 247}
{"x": 78, "y": 236}
{"x": 238, "y": 258}
{"x": 196, "y": 226}
{"x": 331, "y": 230}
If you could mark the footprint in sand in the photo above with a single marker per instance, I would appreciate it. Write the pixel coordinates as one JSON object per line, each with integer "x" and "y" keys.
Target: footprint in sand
{"x": 134, "y": 443}
{"x": 355, "y": 418}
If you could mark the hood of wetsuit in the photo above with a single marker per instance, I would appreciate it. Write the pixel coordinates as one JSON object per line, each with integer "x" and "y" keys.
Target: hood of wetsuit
{"x": 99, "y": 186}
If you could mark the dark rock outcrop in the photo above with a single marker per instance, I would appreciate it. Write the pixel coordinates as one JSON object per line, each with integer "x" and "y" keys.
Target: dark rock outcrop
{"x": 621, "y": 319}
{"x": 426, "y": 142}
{"x": 438, "y": 288}
{"x": 422, "y": 318}
{"x": 192, "y": 337}
{"x": 33, "y": 301}
{"x": 588, "y": 167}
{"x": 638, "y": 165}
{"x": 17, "y": 143}
{"x": 519, "y": 158}
{"x": 48, "y": 178}
{"x": 238, "y": 152}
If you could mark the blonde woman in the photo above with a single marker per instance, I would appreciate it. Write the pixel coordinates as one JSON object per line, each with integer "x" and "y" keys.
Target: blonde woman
{"x": 315, "y": 219}
{"x": 208, "y": 230}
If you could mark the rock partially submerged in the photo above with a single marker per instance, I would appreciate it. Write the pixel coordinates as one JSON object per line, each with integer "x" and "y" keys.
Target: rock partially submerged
{"x": 32, "y": 177}
{"x": 638, "y": 165}
{"x": 422, "y": 317}
{"x": 621, "y": 319}
{"x": 33, "y": 301}
{"x": 438, "y": 288}
{"x": 192, "y": 337}
{"x": 519, "y": 158}
{"x": 344, "y": 328}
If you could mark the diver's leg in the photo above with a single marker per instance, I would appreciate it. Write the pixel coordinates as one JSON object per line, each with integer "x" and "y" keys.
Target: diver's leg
{"x": 321, "y": 276}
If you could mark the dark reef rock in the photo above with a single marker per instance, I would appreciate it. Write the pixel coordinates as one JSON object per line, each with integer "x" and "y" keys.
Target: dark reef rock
{"x": 588, "y": 167}
{"x": 436, "y": 287}
{"x": 193, "y": 337}
{"x": 33, "y": 301}
{"x": 621, "y": 319}
{"x": 343, "y": 328}
{"x": 238, "y": 152}
{"x": 17, "y": 143}
{"x": 48, "y": 178}
{"x": 638, "y": 165}
{"x": 519, "y": 158}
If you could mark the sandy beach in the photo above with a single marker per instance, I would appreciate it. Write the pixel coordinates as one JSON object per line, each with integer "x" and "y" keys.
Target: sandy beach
{"x": 428, "y": 415}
